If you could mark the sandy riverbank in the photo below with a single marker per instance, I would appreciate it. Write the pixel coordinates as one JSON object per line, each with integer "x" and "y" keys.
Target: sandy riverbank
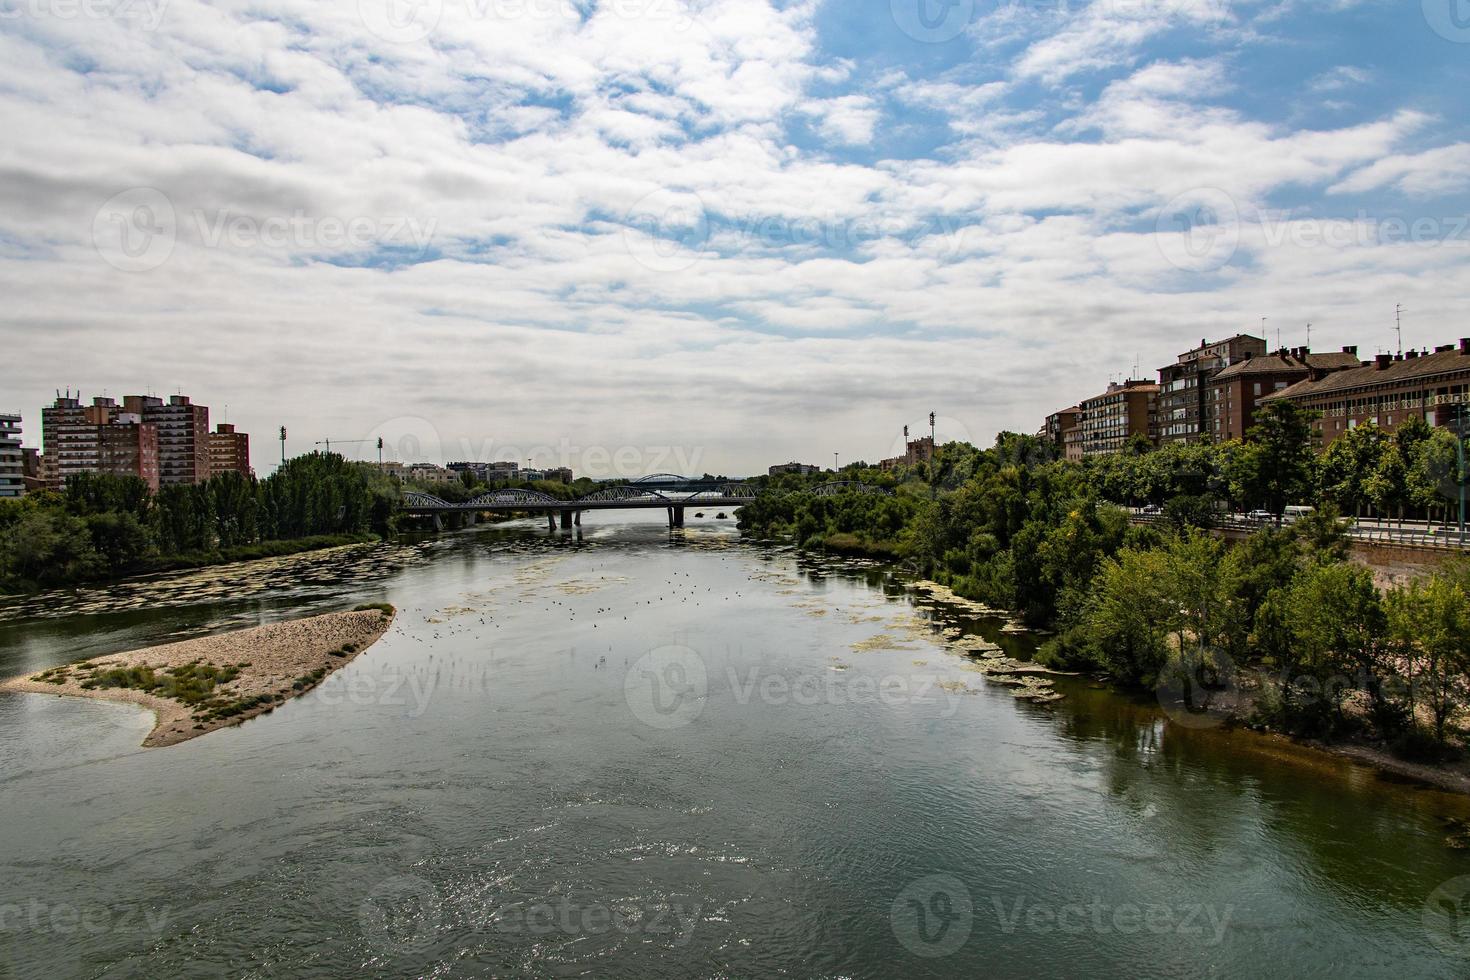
{"x": 196, "y": 686}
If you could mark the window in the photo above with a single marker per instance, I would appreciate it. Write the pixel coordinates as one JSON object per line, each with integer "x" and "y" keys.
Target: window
{"x": 1258, "y": 389}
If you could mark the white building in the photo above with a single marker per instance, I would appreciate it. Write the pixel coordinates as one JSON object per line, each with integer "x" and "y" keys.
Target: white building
{"x": 12, "y": 470}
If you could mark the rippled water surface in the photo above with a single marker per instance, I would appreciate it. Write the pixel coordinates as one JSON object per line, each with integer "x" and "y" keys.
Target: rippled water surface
{"x": 639, "y": 754}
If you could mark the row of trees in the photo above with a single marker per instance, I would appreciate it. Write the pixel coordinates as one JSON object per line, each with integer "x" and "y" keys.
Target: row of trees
{"x": 110, "y": 525}
{"x": 1017, "y": 528}
{"x": 1284, "y": 621}
{"x": 1413, "y": 471}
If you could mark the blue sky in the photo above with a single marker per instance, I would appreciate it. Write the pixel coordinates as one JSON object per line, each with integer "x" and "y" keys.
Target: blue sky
{"x": 709, "y": 235}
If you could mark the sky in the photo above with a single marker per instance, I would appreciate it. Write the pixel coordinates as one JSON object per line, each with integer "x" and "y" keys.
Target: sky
{"x": 638, "y": 236}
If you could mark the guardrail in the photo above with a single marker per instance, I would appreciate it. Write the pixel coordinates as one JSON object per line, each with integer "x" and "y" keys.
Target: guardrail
{"x": 1434, "y": 537}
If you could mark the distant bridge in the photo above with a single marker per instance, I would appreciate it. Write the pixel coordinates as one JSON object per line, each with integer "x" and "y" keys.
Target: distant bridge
{"x": 666, "y": 490}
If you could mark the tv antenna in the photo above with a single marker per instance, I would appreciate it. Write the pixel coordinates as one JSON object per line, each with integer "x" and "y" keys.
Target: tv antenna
{"x": 1398, "y": 326}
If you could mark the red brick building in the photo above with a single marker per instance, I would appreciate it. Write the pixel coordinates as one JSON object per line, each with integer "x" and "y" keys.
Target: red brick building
{"x": 183, "y": 436}
{"x": 229, "y": 451}
{"x": 1109, "y": 420}
{"x": 1186, "y": 406}
{"x": 97, "y": 438}
{"x": 1387, "y": 390}
{"x": 1235, "y": 390}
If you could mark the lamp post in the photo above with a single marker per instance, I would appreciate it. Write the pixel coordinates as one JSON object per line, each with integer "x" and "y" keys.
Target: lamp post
{"x": 834, "y": 464}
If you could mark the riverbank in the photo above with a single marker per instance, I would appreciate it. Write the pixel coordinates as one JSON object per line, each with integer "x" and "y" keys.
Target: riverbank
{"x": 191, "y": 561}
{"x": 197, "y": 686}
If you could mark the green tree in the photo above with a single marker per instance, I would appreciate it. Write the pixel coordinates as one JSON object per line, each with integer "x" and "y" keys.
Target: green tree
{"x": 1129, "y": 616}
{"x": 1429, "y": 623}
{"x": 1348, "y": 464}
{"x": 1276, "y": 465}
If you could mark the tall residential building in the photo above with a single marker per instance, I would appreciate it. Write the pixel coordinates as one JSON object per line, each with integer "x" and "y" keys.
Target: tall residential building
{"x": 183, "y": 436}
{"x": 1388, "y": 390}
{"x": 1109, "y": 420}
{"x": 1236, "y": 390}
{"x": 1186, "y": 407}
{"x": 229, "y": 451}
{"x": 12, "y": 469}
{"x": 129, "y": 446}
{"x": 96, "y": 438}
{"x": 32, "y": 466}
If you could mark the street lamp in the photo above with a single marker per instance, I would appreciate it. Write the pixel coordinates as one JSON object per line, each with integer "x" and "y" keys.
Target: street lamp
{"x": 834, "y": 463}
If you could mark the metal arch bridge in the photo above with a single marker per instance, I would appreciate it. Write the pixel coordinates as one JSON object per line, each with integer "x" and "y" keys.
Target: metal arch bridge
{"x": 666, "y": 490}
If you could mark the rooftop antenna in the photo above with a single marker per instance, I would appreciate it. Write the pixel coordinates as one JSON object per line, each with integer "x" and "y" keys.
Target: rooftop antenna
{"x": 1398, "y": 326}
{"x": 1309, "y": 335}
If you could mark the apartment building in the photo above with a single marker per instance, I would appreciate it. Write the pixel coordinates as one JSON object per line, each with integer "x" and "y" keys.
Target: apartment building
{"x": 1387, "y": 390}
{"x": 916, "y": 451}
{"x": 229, "y": 451}
{"x": 12, "y": 465}
{"x": 96, "y": 438}
{"x": 1058, "y": 423}
{"x": 1186, "y": 405}
{"x": 1236, "y": 390}
{"x": 1109, "y": 420}
{"x": 183, "y": 436}
{"x": 800, "y": 469}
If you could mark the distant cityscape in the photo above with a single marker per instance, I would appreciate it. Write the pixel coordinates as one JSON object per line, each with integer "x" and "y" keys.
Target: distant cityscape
{"x": 169, "y": 442}
{"x": 1211, "y": 394}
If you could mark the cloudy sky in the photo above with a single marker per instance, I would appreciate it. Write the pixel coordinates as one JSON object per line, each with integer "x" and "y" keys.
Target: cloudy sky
{"x": 690, "y": 235}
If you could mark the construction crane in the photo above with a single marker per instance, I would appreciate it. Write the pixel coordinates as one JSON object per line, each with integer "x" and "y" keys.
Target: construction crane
{"x": 353, "y": 442}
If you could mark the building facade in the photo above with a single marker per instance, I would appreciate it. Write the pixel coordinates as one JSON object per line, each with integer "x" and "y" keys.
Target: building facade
{"x": 183, "y": 436}
{"x": 1236, "y": 390}
{"x": 1186, "y": 407}
{"x": 97, "y": 438}
{"x": 1057, "y": 424}
{"x": 229, "y": 451}
{"x": 32, "y": 466}
{"x": 916, "y": 451}
{"x": 1386, "y": 391}
{"x": 12, "y": 465}
{"x": 800, "y": 469}
{"x": 128, "y": 446}
{"x": 1109, "y": 420}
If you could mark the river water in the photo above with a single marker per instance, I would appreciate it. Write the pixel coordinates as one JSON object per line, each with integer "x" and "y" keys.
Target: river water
{"x": 637, "y": 753}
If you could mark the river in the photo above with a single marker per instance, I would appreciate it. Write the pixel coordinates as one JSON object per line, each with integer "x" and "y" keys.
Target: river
{"x": 632, "y": 752}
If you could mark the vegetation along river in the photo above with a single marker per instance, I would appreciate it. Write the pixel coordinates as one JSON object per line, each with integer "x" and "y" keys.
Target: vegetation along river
{"x": 641, "y": 753}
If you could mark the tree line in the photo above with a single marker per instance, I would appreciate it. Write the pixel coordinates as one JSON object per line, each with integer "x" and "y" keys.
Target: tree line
{"x": 1315, "y": 645}
{"x": 104, "y": 525}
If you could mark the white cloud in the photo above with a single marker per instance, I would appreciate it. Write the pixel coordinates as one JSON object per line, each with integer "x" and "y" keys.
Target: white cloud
{"x": 1443, "y": 170}
{"x": 1002, "y": 268}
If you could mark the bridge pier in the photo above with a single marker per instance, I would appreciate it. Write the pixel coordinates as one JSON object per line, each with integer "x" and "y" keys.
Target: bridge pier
{"x": 566, "y": 520}
{"x": 676, "y": 517}
{"x": 551, "y": 521}
{"x": 577, "y": 518}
